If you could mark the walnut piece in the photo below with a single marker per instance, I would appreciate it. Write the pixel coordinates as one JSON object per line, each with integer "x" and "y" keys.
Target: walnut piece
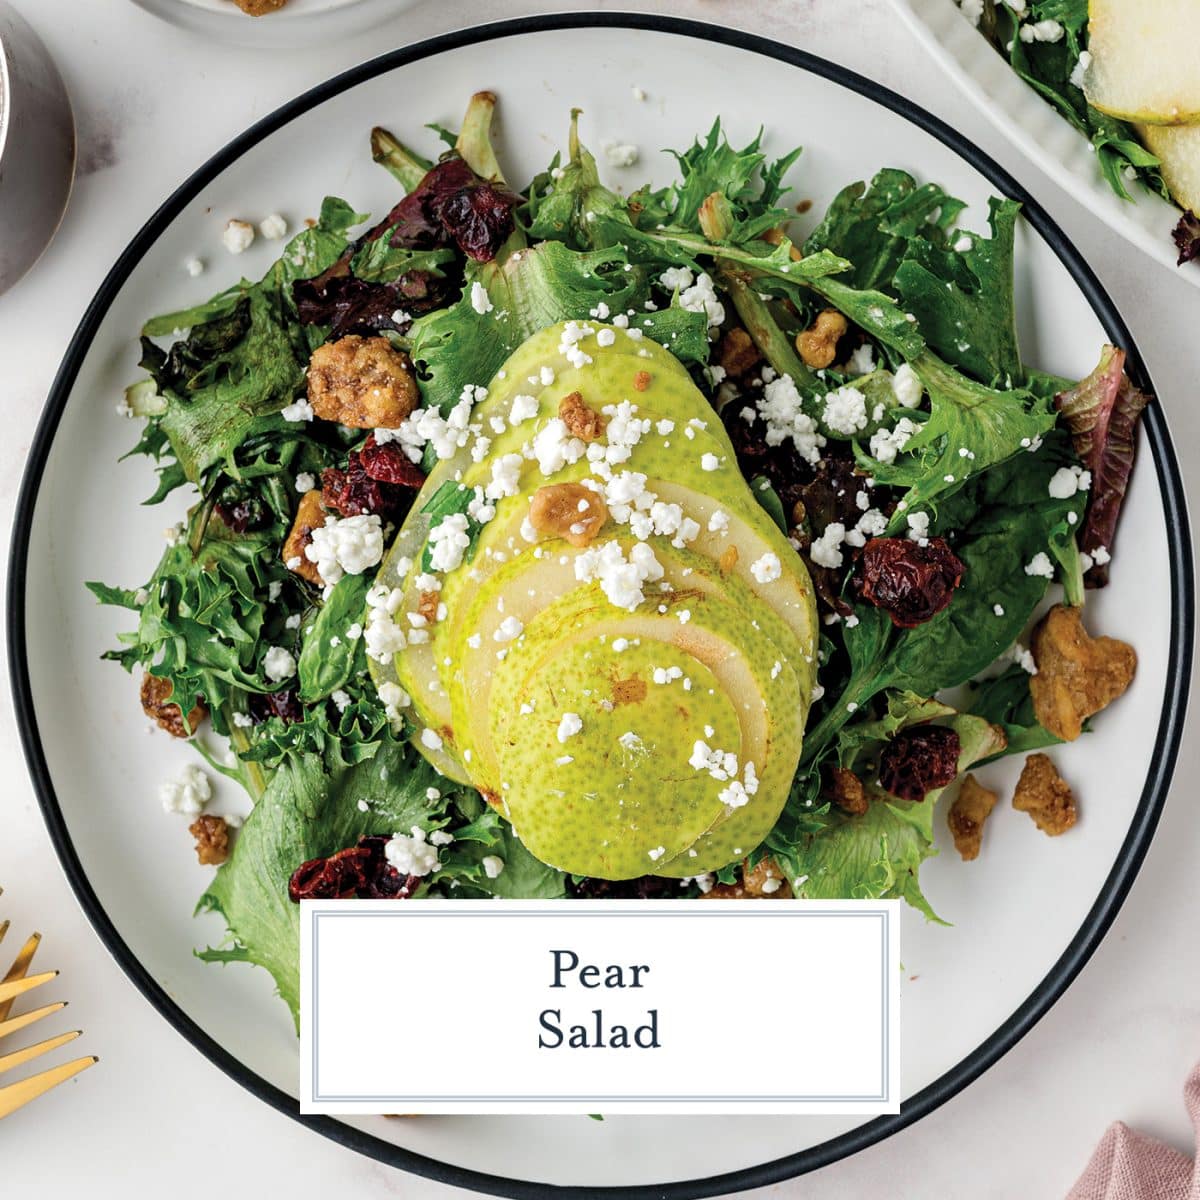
{"x": 310, "y": 515}
{"x": 212, "y": 840}
{"x": 817, "y": 345}
{"x": 737, "y": 353}
{"x": 428, "y": 604}
{"x": 1042, "y": 793}
{"x": 641, "y": 381}
{"x": 1077, "y": 675}
{"x": 581, "y": 420}
{"x": 569, "y": 511}
{"x": 846, "y": 790}
{"x": 728, "y": 559}
{"x": 362, "y": 382}
{"x": 259, "y": 8}
{"x": 762, "y": 882}
{"x": 970, "y": 810}
{"x": 157, "y": 705}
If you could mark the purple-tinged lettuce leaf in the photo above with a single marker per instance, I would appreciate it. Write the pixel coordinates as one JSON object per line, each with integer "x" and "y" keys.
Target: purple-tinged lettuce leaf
{"x": 1187, "y": 237}
{"x": 1102, "y": 412}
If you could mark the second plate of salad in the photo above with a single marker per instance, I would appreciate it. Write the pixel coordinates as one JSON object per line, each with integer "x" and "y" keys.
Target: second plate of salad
{"x": 655, "y": 497}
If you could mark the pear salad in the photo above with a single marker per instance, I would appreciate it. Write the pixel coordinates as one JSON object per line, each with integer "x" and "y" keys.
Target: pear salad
{"x": 555, "y": 542}
{"x": 1121, "y": 73}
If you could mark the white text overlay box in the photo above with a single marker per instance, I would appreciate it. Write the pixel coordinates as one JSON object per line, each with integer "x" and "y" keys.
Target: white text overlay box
{"x": 600, "y": 1006}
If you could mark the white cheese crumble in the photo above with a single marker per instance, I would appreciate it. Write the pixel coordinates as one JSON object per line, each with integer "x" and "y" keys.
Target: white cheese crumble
{"x": 299, "y": 410}
{"x": 845, "y": 411}
{"x": 907, "y": 387}
{"x": 620, "y": 578}
{"x": 709, "y": 462}
{"x": 1066, "y": 481}
{"x": 621, "y": 154}
{"x": 384, "y": 637}
{"x": 1040, "y": 564}
{"x": 411, "y": 854}
{"x": 1041, "y": 31}
{"x": 187, "y": 794}
{"x": 862, "y": 360}
{"x": 305, "y": 482}
{"x": 508, "y": 630}
{"x": 918, "y": 526}
{"x": 492, "y": 865}
{"x": 481, "y": 302}
{"x": 448, "y": 541}
{"x": 273, "y": 227}
{"x": 569, "y": 726}
{"x": 887, "y": 443}
{"x": 279, "y": 664}
{"x": 825, "y": 551}
{"x": 194, "y": 266}
{"x": 1076, "y": 77}
{"x": 346, "y": 546}
{"x": 766, "y": 569}
{"x": 554, "y": 447}
{"x": 237, "y": 236}
{"x": 781, "y": 409}
{"x": 524, "y": 408}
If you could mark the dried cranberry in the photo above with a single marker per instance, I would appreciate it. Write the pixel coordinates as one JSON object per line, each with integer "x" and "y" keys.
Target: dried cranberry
{"x": 909, "y": 581}
{"x": 479, "y": 218}
{"x": 918, "y": 760}
{"x": 417, "y": 218}
{"x": 389, "y": 464}
{"x": 361, "y": 871}
{"x": 646, "y": 887}
{"x": 1187, "y": 237}
{"x": 351, "y": 305}
{"x": 283, "y": 704}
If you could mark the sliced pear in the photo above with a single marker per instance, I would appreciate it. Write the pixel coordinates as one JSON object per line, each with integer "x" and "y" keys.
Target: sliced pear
{"x": 608, "y": 801}
{"x": 1143, "y": 61}
{"x": 1178, "y": 149}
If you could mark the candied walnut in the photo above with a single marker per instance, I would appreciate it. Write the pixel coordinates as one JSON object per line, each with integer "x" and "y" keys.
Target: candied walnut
{"x": 1077, "y": 675}
{"x": 910, "y": 582}
{"x": 362, "y": 382}
{"x": 762, "y": 882}
{"x": 157, "y": 705}
{"x": 817, "y": 344}
{"x": 310, "y": 515}
{"x": 1043, "y": 794}
{"x": 641, "y": 381}
{"x": 919, "y": 760}
{"x": 581, "y": 420}
{"x": 569, "y": 511}
{"x": 846, "y": 790}
{"x": 212, "y": 840}
{"x": 967, "y": 814}
{"x": 428, "y": 604}
{"x": 737, "y": 354}
{"x": 259, "y": 8}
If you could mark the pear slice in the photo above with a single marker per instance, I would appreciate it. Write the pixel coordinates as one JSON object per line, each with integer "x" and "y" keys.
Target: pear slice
{"x": 1144, "y": 65}
{"x": 1178, "y": 150}
{"x": 619, "y": 795}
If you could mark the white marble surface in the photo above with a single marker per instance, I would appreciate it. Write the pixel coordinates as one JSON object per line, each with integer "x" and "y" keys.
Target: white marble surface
{"x": 153, "y": 103}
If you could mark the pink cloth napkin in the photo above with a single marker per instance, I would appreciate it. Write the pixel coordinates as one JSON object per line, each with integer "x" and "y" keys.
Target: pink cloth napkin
{"x": 1128, "y": 1165}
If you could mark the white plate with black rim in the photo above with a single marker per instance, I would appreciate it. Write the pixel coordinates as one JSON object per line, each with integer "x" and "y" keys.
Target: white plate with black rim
{"x": 1039, "y": 131}
{"x": 970, "y": 991}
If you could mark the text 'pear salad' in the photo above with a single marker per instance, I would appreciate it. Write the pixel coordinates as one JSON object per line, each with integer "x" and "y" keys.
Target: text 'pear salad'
{"x": 556, "y": 543}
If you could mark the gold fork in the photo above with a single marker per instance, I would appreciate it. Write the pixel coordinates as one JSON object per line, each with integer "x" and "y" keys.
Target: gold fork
{"x": 15, "y": 983}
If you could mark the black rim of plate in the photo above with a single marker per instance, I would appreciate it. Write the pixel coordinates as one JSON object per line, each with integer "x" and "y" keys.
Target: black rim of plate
{"x": 1132, "y": 851}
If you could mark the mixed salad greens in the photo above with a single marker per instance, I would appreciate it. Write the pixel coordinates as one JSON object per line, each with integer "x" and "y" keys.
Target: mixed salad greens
{"x": 867, "y": 380}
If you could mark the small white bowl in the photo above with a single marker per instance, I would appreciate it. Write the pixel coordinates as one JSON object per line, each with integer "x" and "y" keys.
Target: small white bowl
{"x": 37, "y": 147}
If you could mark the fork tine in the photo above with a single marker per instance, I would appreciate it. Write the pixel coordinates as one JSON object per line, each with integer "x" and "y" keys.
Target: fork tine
{"x": 18, "y": 1058}
{"x": 3, "y": 929}
{"x": 9, "y": 991}
{"x": 25, "y": 1019}
{"x": 18, "y": 971}
{"x": 15, "y": 1095}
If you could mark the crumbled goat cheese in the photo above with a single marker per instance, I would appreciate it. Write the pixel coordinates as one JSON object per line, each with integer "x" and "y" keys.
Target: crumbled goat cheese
{"x": 279, "y": 664}
{"x": 906, "y": 387}
{"x": 569, "y": 726}
{"x": 1040, "y": 564}
{"x": 299, "y": 410}
{"x": 492, "y": 865}
{"x": 1076, "y": 79}
{"x": 524, "y": 408}
{"x": 481, "y": 302}
{"x": 506, "y": 474}
{"x": 508, "y": 629}
{"x": 972, "y": 10}
{"x": 346, "y": 546}
{"x": 187, "y": 794}
{"x": 448, "y": 541}
{"x": 395, "y": 698}
{"x": 426, "y": 426}
{"x": 845, "y": 411}
{"x": 620, "y": 578}
{"x": 620, "y": 154}
{"x": 1066, "y": 481}
{"x": 273, "y": 227}
{"x": 709, "y": 462}
{"x": 1041, "y": 31}
{"x": 918, "y": 526}
{"x": 568, "y": 346}
{"x": 305, "y": 482}
{"x": 781, "y": 409}
{"x": 1023, "y": 658}
{"x": 887, "y": 443}
{"x": 237, "y": 236}
{"x": 702, "y": 298}
{"x": 194, "y": 266}
{"x": 411, "y": 854}
{"x": 554, "y": 447}
{"x": 766, "y": 569}
{"x": 384, "y": 637}
{"x": 825, "y": 551}
{"x": 341, "y": 700}
{"x": 862, "y": 361}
